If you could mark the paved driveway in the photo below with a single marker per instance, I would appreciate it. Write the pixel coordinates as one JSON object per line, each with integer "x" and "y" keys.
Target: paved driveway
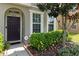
{"x": 16, "y": 50}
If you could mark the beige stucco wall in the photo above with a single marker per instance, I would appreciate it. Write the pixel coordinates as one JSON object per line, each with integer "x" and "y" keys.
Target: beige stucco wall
{"x": 5, "y": 7}
{"x": 26, "y": 17}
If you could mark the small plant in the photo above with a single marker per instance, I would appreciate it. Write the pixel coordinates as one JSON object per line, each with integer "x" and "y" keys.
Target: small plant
{"x": 6, "y": 45}
{"x": 1, "y": 43}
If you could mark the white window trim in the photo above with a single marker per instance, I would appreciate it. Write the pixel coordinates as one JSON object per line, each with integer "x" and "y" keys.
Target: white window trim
{"x": 31, "y": 18}
{"x": 55, "y": 24}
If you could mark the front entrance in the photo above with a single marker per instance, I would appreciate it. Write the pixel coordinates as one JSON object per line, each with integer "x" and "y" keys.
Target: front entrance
{"x": 13, "y": 25}
{"x": 13, "y": 28}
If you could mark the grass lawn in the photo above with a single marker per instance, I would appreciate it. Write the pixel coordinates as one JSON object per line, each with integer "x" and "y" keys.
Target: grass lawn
{"x": 74, "y": 37}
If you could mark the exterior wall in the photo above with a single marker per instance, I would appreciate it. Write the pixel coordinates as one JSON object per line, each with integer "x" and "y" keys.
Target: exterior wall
{"x": 26, "y": 22}
{"x": 45, "y": 22}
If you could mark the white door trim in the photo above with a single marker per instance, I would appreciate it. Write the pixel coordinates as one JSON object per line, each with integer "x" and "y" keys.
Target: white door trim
{"x": 15, "y": 15}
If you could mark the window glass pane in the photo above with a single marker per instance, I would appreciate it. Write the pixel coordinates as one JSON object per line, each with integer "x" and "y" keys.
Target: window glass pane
{"x": 51, "y": 23}
{"x": 36, "y": 18}
{"x": 38, "y": 15}
{"x": 51, "y": 27}
{"x": 51, "y": 19}
{"x": 36, "y": 28}
{"x": 73, "y": 26}
{"x": 36, "y": 22}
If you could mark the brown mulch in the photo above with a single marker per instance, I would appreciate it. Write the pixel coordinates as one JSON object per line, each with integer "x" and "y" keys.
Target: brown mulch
{"x": 51, "y": 51}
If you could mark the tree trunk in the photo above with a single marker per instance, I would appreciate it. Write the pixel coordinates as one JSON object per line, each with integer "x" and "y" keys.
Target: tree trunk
{"x": 64, "y": 30}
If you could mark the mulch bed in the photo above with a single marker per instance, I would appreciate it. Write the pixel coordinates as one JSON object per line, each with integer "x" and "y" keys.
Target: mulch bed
{"x": 51, "y": 51}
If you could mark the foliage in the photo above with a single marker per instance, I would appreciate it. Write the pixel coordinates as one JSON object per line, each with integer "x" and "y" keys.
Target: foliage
{"x": 41, "y": 41}
{"x": 6, "y": 45}
{"x": 56, "y": 9}
{"x": 36, "y": 41}
{"x": 69, "y": 51}
{"x": 1, "y": 43}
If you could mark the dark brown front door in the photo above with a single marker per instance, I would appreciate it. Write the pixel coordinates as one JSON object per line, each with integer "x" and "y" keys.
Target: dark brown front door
{"x": 13, "y": 28}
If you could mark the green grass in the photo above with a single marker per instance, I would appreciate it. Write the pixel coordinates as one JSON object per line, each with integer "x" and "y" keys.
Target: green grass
{"x": 74, "y": 37}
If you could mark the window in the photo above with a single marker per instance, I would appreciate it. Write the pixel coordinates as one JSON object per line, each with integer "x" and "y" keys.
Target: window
{"x": 73, "y": 26}
{"x": 36, "y": 23}
{"x": 51, "y": 23}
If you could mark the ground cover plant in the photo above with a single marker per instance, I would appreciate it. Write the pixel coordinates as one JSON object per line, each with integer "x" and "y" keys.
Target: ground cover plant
{"x": 1, "y": 43}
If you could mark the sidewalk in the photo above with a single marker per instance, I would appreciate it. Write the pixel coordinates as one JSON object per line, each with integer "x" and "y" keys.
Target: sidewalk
{"x": 16, "y": 50}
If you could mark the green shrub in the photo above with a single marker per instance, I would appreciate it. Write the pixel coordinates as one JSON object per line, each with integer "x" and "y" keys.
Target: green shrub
{"x": 69, "y": 51}
{"x": 41, "y": 41}
{"x": 36, "y": 41}
{"x": 1, "y": 43}
{"x": 6, "y": 45}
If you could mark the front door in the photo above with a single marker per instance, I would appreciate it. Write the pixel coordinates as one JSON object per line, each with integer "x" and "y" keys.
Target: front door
{"x": 13, "y": 28}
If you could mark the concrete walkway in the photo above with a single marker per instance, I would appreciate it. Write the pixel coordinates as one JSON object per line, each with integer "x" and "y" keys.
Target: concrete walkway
{"x": 16, "y": 50}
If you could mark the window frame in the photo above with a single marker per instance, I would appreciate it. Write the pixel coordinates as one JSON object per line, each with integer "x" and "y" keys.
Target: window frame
{"x": 54, "y": 24}
{"x": 31, "y": 19}
{"x": 74, "y": 26}
{"x": 36, "y": 23}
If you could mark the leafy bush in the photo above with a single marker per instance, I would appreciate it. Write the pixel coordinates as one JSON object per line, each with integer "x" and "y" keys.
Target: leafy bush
{"x": 6, "y": 45}
{"x": 41, "y": 41}
{"x": 69, "y": 51}
{"x": 1, "y": 43}
{"x": 36, "y": 41}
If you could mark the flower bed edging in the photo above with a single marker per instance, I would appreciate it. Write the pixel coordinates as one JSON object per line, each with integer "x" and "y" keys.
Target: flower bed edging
{"x": 30, "y": 54}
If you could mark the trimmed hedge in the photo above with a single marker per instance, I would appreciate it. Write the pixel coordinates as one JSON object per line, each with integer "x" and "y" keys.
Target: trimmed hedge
{"x": 1, "y": 43}
{"x": 41, "y": 41}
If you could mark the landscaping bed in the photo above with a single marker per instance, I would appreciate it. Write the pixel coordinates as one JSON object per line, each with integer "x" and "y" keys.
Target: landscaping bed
{"x": 51, "y": 51}
{"x": 44, "y": 44}
{"x": 51, "y": 44}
